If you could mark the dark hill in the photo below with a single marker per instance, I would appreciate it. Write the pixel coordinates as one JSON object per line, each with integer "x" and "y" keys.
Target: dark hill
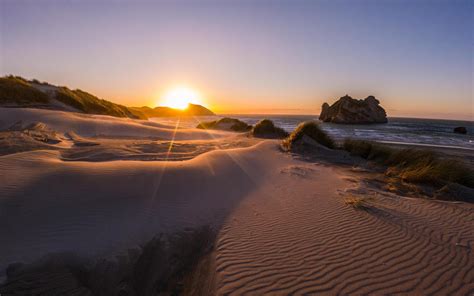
{"x": 191, "y": 110}
{"x": 18, "y": 92}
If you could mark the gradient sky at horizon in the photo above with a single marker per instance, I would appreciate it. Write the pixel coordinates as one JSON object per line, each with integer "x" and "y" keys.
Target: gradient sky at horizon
{"x": 250, "y": 56}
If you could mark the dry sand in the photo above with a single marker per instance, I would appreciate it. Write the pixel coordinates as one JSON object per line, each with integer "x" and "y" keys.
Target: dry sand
{"x": 283, "y": 227}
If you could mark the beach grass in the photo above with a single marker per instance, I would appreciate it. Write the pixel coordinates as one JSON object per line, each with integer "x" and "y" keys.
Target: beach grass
{"x": 357, "y": 202}
{"x": 265, "y": 128}
{"x": 17, "y": 90}
{"x": 311, "y": 130}
{"x": 413, "y": 165}
{"x": 226, "y": 123}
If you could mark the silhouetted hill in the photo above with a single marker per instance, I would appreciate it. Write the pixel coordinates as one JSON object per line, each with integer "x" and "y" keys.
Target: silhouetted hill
{"x": 191, "y": 110}
{"x": 17, "y": 92}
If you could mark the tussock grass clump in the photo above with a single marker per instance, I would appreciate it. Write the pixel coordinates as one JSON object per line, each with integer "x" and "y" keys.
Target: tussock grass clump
{"x": 311, "y": 130}
{"x": 226, "y": 123}
{"x": 265, "y": 128}
{"x": 413, "y": 165}
{"x": 359, "y": 203}
{"x": 16, "y": 90}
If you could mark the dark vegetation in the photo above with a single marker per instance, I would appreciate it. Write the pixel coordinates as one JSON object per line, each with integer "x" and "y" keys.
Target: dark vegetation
{"x": 226, "y": 123}
{"x": 90, "y": 104}
{"x": 311, "y": 130}
{"x": 16, "y": 90}
{"x": 166, "y": 265}
{"x": 357, "y": 202}
{"x": 413, "y": 165}
{"x": 266, "y": 129}
{"x": 449, "y": 178}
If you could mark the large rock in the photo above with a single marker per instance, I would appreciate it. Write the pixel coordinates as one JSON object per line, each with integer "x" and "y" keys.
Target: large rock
{"x": 226, "y": 124}
{"x": 460, "y": 130}
{"x": 352, "y": 111}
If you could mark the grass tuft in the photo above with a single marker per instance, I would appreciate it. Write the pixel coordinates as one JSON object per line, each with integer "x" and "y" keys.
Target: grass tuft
{"x": 266, "y": 129}
{"x": 413, "y": 165}
{"x": 359, "y": 203}
{"x": 309, "y": 129}
{"x": 16, "y": 90}
{"x": 226, "y": 123}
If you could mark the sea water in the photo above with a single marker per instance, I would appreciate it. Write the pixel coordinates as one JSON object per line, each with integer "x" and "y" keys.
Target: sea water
{"x": 415, "y": 131}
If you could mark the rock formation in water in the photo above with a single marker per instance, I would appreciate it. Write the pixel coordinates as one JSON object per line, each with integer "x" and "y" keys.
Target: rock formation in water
{"x": 265, "y": 128}
{"x": 353, "y": 111}
{"x": 460, "y": 130}
{"x": 226, "y": 124}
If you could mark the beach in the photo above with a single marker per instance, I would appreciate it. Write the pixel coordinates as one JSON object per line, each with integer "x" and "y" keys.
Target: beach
{"x": 281, "y": 222}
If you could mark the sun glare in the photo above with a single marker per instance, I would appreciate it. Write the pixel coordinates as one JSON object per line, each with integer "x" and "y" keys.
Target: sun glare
{"x": 180, "y": 98}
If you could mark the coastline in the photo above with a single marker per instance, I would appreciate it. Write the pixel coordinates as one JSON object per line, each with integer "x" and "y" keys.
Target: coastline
{"x": 281, "y": 220}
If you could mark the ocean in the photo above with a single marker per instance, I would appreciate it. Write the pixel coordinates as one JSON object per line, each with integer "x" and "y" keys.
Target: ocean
{"x": 414, "y": 131}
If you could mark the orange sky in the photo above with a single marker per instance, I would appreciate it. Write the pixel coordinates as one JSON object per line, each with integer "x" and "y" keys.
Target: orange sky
{"x": 250, "y": 57}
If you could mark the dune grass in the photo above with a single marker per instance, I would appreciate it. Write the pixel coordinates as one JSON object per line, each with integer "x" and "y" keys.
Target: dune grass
{"x": 359, "y": 203}
{"x": 17, "y": 90}
{"x": 226, "y": 123}
{"x": 88, "y": 103}
{"x": 413, "y": 165}
{"x": 265, "y": 128}
{"x": 309, "y": 129}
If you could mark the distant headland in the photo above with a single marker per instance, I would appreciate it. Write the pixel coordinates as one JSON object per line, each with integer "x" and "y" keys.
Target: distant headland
{"x": 18, "y": 92}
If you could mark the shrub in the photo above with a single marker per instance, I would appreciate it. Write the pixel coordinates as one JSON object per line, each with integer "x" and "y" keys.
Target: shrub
{"x": 226, "y": 123}
{"x": 312, "y": 130}
{"x": 266, "y": 129}
{"x": 367, "y": 149}
{"x": 356, "y": 202}
{"x": 413, "y": 165}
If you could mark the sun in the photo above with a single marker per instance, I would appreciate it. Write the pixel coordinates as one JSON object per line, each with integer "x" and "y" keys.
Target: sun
{"x": 180, "y": 97}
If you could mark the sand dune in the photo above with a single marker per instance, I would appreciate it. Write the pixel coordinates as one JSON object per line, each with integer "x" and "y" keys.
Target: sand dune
{"x": 81, "y": 137}
{"x": 95, "y": 208}
{"x": 102, "y": 125}
{"x": 281, "y": 221}
{"x": 298, "y": 237}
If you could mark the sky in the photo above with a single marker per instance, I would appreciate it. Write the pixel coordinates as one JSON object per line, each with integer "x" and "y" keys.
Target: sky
{"x": 279, "y": 57}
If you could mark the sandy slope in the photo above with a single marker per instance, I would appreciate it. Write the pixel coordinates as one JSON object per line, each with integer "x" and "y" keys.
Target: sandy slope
{"x": 283, "y": 227}
{"x": 101, "y": 125}
{"x": 296, "y": 236}
{"x": 49, "y": 205}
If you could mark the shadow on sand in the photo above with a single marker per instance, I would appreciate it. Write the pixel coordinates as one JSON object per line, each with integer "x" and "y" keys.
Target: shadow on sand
{"x": 176, "y": 264}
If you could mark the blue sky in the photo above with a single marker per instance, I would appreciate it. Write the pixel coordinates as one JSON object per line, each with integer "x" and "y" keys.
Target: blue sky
{"x": 250, "y": 56}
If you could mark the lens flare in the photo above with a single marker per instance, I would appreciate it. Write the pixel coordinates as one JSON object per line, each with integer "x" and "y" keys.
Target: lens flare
{"x": 180, "y": 98}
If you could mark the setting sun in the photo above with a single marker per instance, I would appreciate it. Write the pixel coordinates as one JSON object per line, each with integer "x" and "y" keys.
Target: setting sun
{"x": 180, "y": 98}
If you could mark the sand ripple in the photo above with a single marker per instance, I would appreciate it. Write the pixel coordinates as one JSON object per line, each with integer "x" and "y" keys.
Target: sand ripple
{"x": 291, "y": 240}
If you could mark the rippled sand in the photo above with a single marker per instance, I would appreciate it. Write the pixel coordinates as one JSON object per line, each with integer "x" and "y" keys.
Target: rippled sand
{"x": 282, "y": 224}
